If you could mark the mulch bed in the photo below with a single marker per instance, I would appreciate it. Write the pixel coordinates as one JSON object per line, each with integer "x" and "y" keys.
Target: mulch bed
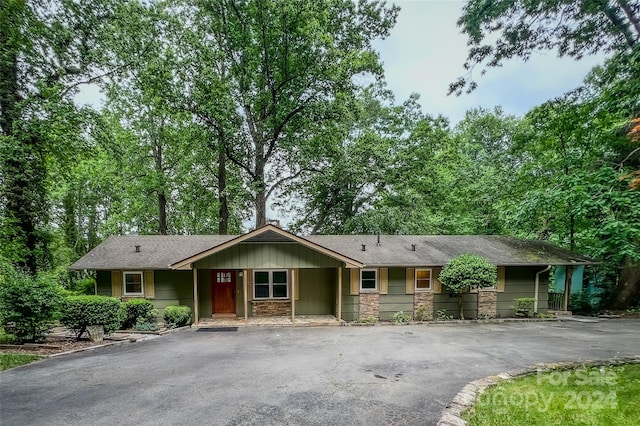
{"x": 60, "y": 340}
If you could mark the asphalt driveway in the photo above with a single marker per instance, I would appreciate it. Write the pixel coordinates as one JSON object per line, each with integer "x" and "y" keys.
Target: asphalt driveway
{"x": 299, "y": 376}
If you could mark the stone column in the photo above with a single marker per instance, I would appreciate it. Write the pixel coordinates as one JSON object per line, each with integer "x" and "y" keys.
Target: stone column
{"x": 369, "y": 305}
{"x": 487, "y": 303}
{"x": 423, "y": 302}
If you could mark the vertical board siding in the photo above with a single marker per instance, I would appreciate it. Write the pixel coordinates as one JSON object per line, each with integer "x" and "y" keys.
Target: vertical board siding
{"x": 350, "y": 303}
{"x": 103, "y": 283}
{"x": 267, "y": 255}
{"x": 172, "y": 288}
{"x": 205, "y": 305}
{"x": 396, "y": 298}
{"x": 317, "y": 289}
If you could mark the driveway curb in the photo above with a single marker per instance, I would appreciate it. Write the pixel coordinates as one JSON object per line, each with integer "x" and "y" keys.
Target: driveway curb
{"x": 466, "y": 398}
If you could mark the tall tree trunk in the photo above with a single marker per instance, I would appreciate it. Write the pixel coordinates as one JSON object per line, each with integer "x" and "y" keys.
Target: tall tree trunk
{"x": 632, "y": 15}
{"x": 460, "y": 306}
{"x": 627, "y": 292}
{"x": 261, "y": 206}
{"x": 69, "y": 224}
{"x": 92, "y": 232}
{"x": 162, "y": 197}
{"x": 223, "y": 211}
{"x": 260, "y": 191}
{"x": 162, "y": 213}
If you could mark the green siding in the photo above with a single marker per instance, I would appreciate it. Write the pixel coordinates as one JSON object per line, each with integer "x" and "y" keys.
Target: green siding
{"x": 520, "y": 282}
{"x": 350, "y": 304}
{"x": 205, "y": 304}
{"x": 171, "y": 288}
{"x": 316, "y": 291}
{"x": 450, "y": 304}
{"x": 267, "y": 255}
{"x": 103, "y": 283}
{"x": 396, "y": 299}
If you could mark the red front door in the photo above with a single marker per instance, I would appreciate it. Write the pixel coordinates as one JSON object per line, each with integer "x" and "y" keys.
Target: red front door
{"x": 223, "y": 291}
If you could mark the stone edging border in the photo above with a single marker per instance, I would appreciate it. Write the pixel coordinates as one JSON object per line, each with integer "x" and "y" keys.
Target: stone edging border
{"x": 467, "y": 396}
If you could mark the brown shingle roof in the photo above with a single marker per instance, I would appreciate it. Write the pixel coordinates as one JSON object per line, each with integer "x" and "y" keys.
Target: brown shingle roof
{"x": 156, "y": 251}
{"x": 160, "y": 251}
{"x": 437, "y": 250}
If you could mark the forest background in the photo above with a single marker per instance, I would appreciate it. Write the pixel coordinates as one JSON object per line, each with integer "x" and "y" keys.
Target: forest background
{"x": 218, "y": 113}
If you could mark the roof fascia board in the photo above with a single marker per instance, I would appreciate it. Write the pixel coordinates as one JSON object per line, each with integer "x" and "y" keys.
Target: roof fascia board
{"x": 187, "y": 263}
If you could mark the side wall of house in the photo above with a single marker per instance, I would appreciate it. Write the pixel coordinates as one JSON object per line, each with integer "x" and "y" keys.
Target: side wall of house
{"x": 170, "y": 288}
{"x": 350, "y": 302}
{"x": 316, "y": 291}
{"x": 396, "y": 298}
{"x": 448, "y": 304}
{"x": 520, "y": 282}
{"x": 103, "y": 283}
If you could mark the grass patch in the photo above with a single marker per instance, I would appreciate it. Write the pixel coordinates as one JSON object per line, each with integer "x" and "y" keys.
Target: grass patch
{"x": 14, "y": 360}
{"x": 590, "y": 396}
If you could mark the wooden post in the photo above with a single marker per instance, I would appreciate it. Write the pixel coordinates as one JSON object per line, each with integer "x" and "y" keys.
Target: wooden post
{"x": 196, "y": 310}
{"x": 293, "y": 296}
{"x": 568, "y": 273}
{"x": 339, "y": 294}
{"x": 245, "y": 286}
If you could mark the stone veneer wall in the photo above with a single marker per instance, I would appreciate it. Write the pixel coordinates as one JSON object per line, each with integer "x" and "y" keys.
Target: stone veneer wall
{"x": 487, "y": 303}
{"x": 423, "y": 299}
{"x": 369, "y": 305}
{"x": 271, "y": 308}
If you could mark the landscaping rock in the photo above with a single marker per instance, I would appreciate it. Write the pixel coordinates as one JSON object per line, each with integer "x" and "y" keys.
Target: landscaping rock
{"x": 96, "y": 333}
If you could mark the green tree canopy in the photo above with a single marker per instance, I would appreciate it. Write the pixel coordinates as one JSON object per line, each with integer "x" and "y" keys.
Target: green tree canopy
{"x": 465, "y": 272}
{"x": 571, "y": 27}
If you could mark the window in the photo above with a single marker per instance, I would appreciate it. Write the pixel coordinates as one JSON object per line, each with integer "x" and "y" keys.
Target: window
{"x": 423, "y": 279}
{"x": 270, "y": 285}
{"x": 368, "y": 279}
{"x": 133, "y": 284}
{"x": 223, "y": 277}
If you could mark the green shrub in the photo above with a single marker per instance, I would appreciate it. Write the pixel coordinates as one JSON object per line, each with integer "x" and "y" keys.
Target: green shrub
{"x": 442, "y": 315}
{"x": 144, "y": 325}
{"x": 579, "y": 303}
{"x": 401, "y": 318}
{"x": 28, "y": 305}
{"x": 79, "y": 312}
{"x": 523, "y": 306}
{"x": 85, "y": 286}
{"x": 467, "y": 271}
{"x": 421, "y": 313}
{"x": 367, "y": 320}
{"x": 139, "y": 309}
{"x": 6, "y": 338}
{"x": 177, "y": 316}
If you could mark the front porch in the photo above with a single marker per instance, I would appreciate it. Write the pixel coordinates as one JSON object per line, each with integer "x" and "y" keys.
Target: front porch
{"x": 273, "y": 321}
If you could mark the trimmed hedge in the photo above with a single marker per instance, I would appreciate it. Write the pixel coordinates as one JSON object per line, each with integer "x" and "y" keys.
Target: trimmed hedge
{"x": 177, "y": 316}
{"x": 139, "y": 310}
{"x": 80, "y": 312}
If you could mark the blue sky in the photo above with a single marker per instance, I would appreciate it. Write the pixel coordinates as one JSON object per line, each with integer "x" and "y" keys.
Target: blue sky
{"x": 426, "y": 51}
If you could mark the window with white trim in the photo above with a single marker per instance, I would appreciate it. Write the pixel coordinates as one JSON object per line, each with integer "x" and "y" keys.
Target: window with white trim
{"x": 270, "y": 284}
{"x": 133, "y": 283}
{"x": 368, "y": 279}
{"x": 423, "y": 279}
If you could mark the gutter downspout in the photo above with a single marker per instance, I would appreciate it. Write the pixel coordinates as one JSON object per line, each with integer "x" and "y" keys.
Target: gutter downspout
{"x": 537, "y": 286}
